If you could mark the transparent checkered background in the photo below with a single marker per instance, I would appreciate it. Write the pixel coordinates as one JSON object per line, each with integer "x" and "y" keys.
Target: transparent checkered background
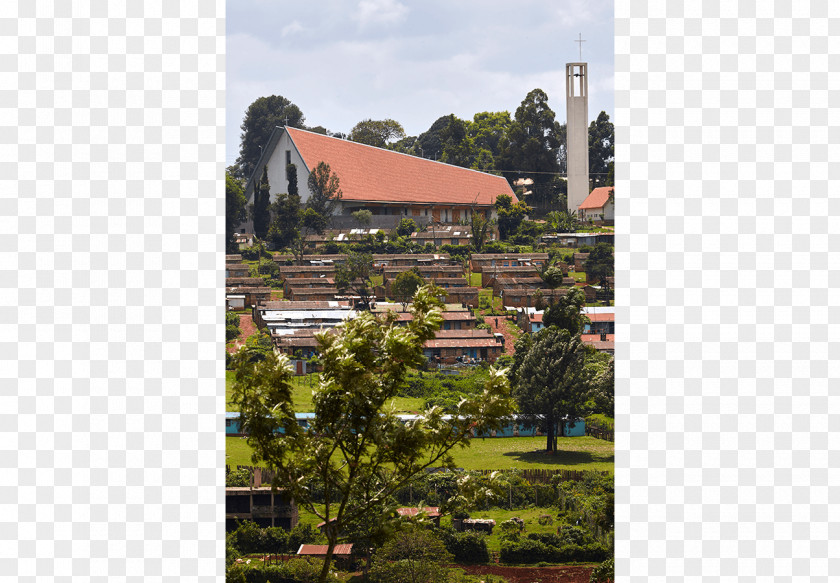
{"x": 111, "y": 256}
{"x": 726, "y": 125}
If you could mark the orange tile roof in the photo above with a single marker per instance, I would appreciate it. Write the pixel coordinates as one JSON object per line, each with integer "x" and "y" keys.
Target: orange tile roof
{"x": 597, "y": 198}
{"x": 366, "y": 173}
{"x": 320, "y": 550}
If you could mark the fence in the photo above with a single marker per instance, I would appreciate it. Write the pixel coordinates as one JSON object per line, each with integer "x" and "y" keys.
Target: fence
{"x": 600, "y": 432}
{"x": 535, "y": 476}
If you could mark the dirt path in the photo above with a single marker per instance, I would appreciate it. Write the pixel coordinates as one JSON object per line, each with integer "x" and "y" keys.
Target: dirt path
{"x": 247, "y": 328}
{"x": 561, "y": 574}
{"x": 499, "y": 324}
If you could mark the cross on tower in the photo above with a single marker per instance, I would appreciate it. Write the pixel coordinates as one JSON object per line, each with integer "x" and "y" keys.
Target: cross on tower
{"x": 580, "y": 47}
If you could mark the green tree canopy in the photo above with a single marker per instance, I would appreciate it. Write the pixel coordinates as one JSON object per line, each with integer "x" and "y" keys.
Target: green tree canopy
{"x": 377, "y": 133}
{"x": 566, "y": 312}
{"x": 413, "y": 555}
{"x": 458, "y": 148}
{"x": 405, "y": 285}
{"x": 600, "y": 264}
{"x": 406, "y": 227}
{"x": 356, "y": 446}
{"x": 325, "y": 196}
{"x": 531, "y": 147}
{"x": 235, "y": 212}
{"x": 510, "y": 215}
{"x": 601, "y": 149}
{"x": 354, "y": 276}
{"x": 553, "y": 381}
{"x": 261, "y": 117}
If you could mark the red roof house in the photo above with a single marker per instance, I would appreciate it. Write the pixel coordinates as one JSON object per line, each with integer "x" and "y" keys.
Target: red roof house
{"x": 383, "y": 181}
{"x": 599, "y": 202}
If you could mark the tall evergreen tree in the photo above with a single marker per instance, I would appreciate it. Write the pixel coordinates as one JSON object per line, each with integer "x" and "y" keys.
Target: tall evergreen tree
{"x": 553, "y": 382}
{"x": 261, "y": 117}
{"x": 601, "y": 150}
{"x": 235, "y": 202}
{"x": 261, "y": 210}
{"x": 531, "y": 149}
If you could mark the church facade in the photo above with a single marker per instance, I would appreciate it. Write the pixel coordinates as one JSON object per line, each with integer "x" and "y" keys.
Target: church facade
{"x": 390, "y": 184}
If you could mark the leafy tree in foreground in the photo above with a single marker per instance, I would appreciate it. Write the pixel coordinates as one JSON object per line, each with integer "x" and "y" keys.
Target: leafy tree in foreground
{"x": 356, "y": 446}
{"x": 553, "y": 381}
{"x": 405, "y": 285}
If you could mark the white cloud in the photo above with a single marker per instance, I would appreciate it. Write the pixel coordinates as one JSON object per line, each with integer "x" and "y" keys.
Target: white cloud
{"x": 293, "y": 27}
{"x": 380, "y": 12}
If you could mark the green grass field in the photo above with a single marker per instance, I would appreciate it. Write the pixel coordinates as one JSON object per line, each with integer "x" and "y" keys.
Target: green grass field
{"x": 302, "y": 396}
{"x": 500, "y": 453}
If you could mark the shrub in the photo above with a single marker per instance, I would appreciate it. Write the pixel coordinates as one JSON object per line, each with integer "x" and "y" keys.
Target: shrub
{"x": 545, "y": 520}
{"x": 231, "y": 332}
{"x": 467, "y": 547}
{"x": 603, "y": 573}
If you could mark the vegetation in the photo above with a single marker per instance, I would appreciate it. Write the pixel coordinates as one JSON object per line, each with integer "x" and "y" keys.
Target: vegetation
{"x": 235, "y": 202}
{"x": 406, "y": 285}
{"x": 261, "y": 117}
{"x": 361, "y": 464}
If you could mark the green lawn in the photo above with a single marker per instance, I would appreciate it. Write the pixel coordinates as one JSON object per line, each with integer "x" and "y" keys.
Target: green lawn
{"x": 302, "y": 395}
{"x": 501, "y": 453}
{"x": 475, "y": 279}
{"x": 529, "y": 515}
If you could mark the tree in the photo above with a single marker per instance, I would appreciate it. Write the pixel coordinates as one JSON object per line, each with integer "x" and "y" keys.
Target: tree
{"x": 286, "y": 211}
{"x": 414, "y": 554}
{"x": 600, "y": 264}
{"x": 510, "y": 215}
{"x": 458, "y": 148}
{"x": 355, "y": 275}
{"x": 362, "y": 216}
{"x": 356, "y": 446}
{"x": 235, "y": 212}
{"x": 479, "y": 225}
{"x": 406, "y": 227}
{"x": 378, "y": 133}
{"x": 552, "y": 276}
{"x": 261, "y": 210}
{"x": 603, "y": 390}
{"x": 566, "y": 313}
{"x": 488, "y": 130}
{"x": 531, "y": 148}
{"x": 601, "y": 149}
{"x": 553, "y": 381}
{"x": 261, "y": 117}
{"x": 429, "y": 143}
{"x": 325, "y": 196}
{"x": 405, "y": 285}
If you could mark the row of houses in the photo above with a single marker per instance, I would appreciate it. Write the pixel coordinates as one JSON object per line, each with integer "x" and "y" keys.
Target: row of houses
{"x": 598, "y": 333}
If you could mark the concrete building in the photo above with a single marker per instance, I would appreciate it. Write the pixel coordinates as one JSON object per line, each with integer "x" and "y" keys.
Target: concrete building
{"x": 577, "y": 134}
{"x": 261, "y": 505}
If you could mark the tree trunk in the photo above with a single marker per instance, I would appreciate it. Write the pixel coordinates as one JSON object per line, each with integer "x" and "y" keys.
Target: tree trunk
{"x": 325, "y": 570}
{"x": 549, "y": 436}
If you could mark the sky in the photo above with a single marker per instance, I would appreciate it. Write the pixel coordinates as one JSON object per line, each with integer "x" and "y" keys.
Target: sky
{"x": 343, "y": 61}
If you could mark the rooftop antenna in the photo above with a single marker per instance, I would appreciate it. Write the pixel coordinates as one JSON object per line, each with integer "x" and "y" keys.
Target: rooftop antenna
{"x": 580, "y": 48}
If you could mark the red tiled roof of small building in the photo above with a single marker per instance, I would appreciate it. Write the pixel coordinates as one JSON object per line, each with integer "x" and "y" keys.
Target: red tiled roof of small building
{"x": 597, "y": 198}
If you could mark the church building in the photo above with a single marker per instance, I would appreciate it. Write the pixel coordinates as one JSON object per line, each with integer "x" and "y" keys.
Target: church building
{"x": 390, "y": 184}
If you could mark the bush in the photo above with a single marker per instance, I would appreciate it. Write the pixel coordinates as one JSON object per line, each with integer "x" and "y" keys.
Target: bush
{"x": 467, "y": 547}
{"x": 293, "y": 571}
{"x": 232, "y": 319}
{"x": 545, "y": 520}
{"x": 603, "y": 573}
{"x": 231, "y": 332}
